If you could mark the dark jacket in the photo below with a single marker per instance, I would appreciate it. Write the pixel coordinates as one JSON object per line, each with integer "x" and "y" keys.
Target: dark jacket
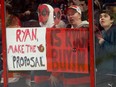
{"x": 106, "y": 52}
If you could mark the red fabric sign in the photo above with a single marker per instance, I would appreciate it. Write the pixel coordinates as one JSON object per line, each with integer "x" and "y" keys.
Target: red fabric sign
{"x": 67, "y": 50}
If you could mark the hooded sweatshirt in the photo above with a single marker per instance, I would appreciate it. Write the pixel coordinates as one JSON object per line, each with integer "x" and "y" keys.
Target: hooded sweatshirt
{"x": 50, "y": 21}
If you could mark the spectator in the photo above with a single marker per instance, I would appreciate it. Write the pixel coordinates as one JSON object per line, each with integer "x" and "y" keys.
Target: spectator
{"x": 106, "y": 58}
{"x": 46, "y": 15}
{"x": 44, "y": 78}
{"x": 11, "y": 20}
{"x": 84, "y": 8}
{"x": 74, "y": 15}
{"x": 58, "y": 22}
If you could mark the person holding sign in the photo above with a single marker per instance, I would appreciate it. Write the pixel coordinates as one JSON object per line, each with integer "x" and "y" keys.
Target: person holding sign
{"x": 74, "y": 15}
{"x": 106, "y": 58}
{"x": 13, "y": 22}
{"x": 44, "y": 78}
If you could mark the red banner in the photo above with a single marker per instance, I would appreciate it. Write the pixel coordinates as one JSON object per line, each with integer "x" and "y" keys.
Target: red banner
{"x": 67, "y": 50}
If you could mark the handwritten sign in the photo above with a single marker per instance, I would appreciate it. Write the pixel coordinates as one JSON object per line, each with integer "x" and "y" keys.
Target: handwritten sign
{"x": 67, "y": 50}
{"x": 26, "y": 48}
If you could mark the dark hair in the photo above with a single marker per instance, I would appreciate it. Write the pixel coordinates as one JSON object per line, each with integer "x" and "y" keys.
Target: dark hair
{"x": 111, "y": 14}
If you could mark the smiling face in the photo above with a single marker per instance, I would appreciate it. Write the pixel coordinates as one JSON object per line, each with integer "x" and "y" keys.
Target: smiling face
{"x": 105, "y": 20}
{"x": 73, "y": 16}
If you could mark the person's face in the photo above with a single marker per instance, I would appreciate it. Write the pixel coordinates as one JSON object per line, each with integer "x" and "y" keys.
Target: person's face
{"x": 105, "y": 20}
{"x": 83, "y": 6}
{"x": 73, "y": 16}
{"x": 43, "y": 14}
{"x": 57, "y": 15}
